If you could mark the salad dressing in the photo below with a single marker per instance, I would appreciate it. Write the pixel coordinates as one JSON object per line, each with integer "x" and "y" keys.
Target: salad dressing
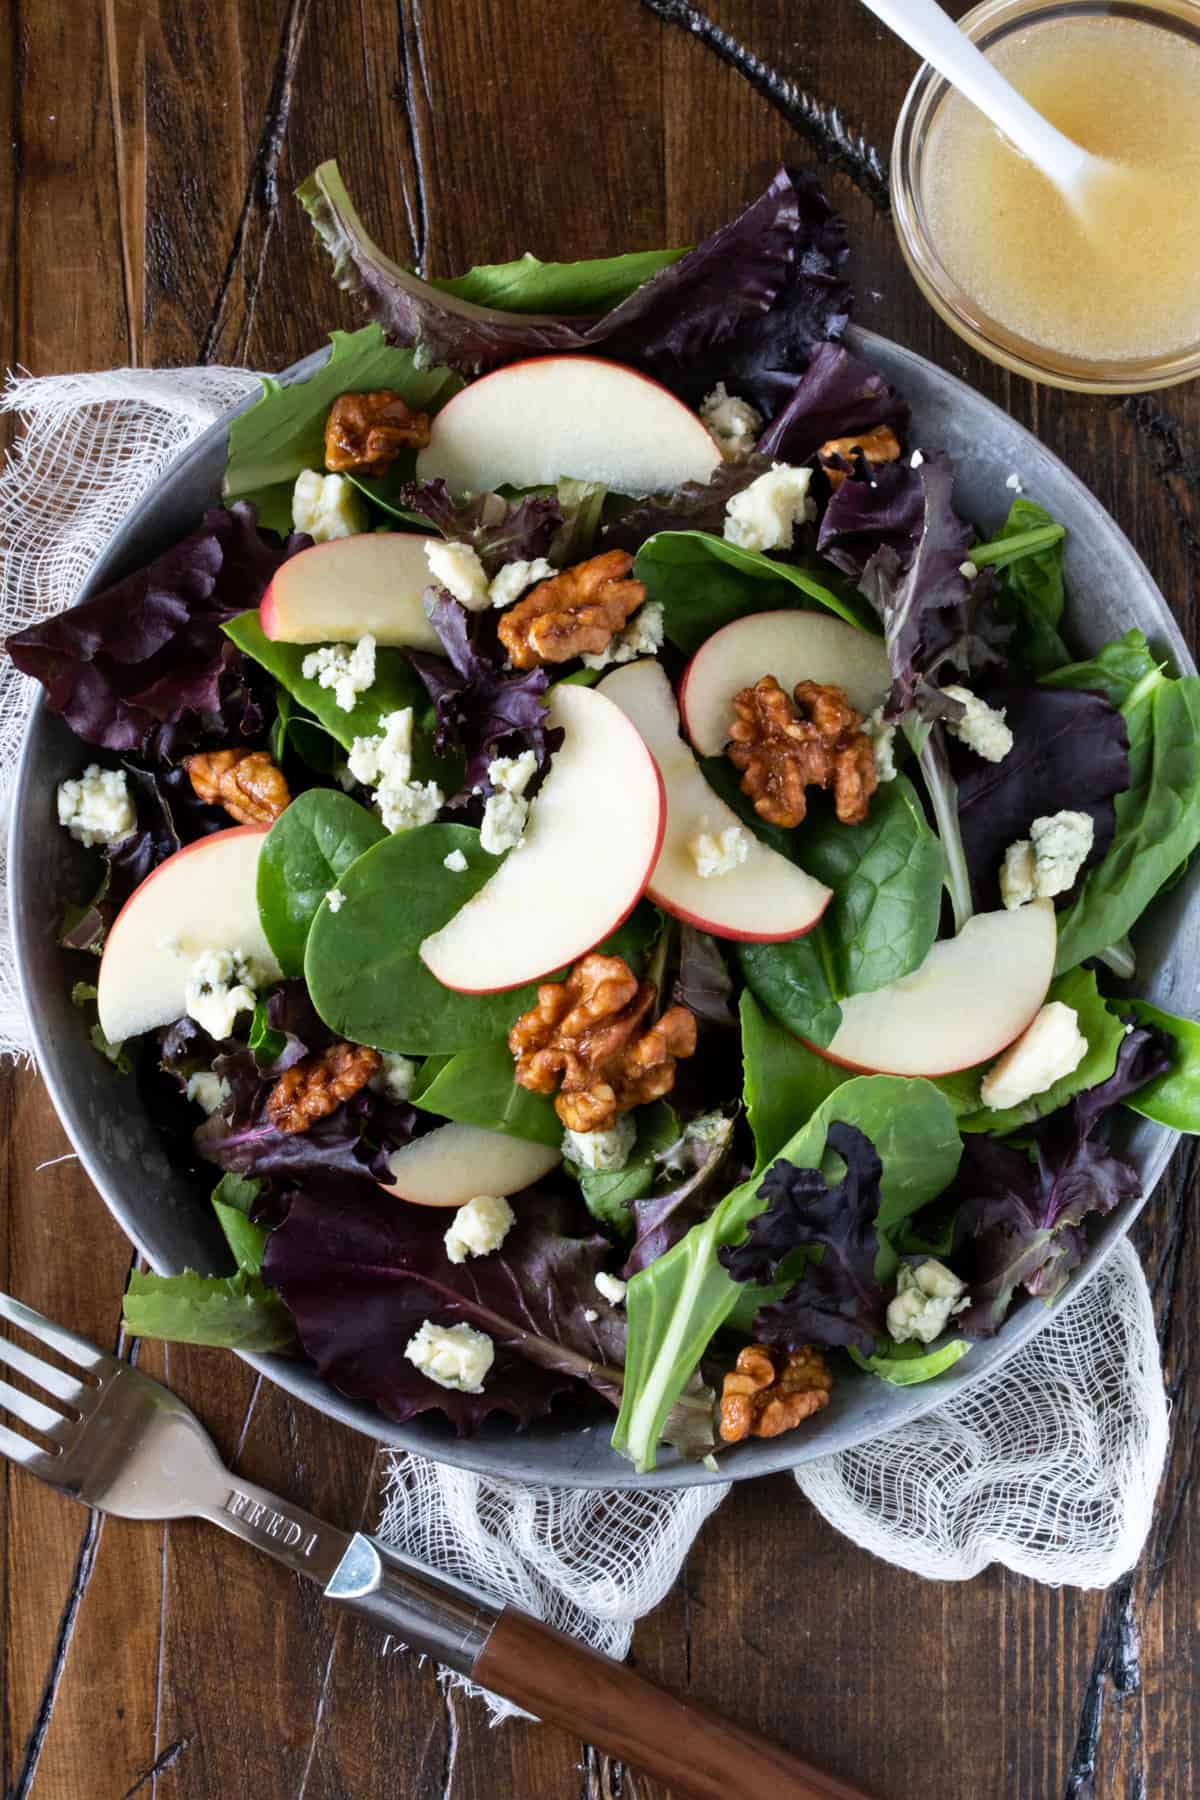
{"x": 1125, "y": 90}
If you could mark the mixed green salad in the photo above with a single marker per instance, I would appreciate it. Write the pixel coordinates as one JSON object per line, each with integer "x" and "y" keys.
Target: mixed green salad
{"x": 629, "y": 891}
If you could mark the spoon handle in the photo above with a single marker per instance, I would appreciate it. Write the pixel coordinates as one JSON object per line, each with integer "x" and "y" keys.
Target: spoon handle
{"x": 929, "y": 31}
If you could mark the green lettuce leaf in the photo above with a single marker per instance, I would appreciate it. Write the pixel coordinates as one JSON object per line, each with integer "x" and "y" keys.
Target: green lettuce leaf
{"x": 476, "y": 1087}
{"x": 284, "y": 431}
{"x": 308, "y": 848}
{"x": 905, "y": 1365}
{"x": 784, "y": 1081}
{"x": 527, "y": 285}
{"x": 1027, "y": 553}
{"x": 232, "y": 1199}
{"x": 1172, "y": 1099}
{"x": 1104, "y": 1033}
{"x": 234, "y": 1313}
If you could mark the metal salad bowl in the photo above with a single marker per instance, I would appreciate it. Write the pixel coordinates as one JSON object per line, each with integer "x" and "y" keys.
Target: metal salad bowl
{"x": 166, "y": 1214}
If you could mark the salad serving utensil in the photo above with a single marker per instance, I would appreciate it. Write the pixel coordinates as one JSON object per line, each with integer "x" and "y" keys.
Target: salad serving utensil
{"x": 124, "y": 1444}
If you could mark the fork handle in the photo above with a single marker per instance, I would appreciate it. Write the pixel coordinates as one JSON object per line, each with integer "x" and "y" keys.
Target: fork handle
{"x": 558, "y": 1679}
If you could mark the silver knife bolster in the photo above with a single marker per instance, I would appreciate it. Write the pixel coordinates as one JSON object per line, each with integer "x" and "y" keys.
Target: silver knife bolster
{"x": 292, "y": 1536}
{"x": 448, "y": 1620}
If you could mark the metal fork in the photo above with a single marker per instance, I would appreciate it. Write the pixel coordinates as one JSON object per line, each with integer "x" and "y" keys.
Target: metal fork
{"x": 125, "y": 1444}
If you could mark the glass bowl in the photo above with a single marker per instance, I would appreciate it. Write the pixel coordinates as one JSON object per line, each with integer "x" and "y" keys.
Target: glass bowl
{"x": 988, "y": 25}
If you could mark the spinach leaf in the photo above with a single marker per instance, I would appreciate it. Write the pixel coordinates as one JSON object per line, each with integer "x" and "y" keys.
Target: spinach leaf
{"x": 609, "y": 1194}
{"x": 308, "y": 848}
{"x": 783, "y": 1081}
{"x": 284, "y": 431}
{"x": 293, "y": 725}
{"x": 1028, "y": 551}
{"x": 266, "y": 1044}
{"x": 527, "y": 285}
{"x": 1104, "y": 1033}
{"x": 476, "y": 1087}
{"x": 362, "y": 966}
{"x": 675, "y": 1306}
{"x": 796, "y": 983}
{"x": 702, "y": 583}
{"x": 1172, "y": 1099}
{"x": 1157, "y": 818}
{"x": 1115, "y": 671}
{"x": 396, "y": 685}
{"x": 236, "y": 1312}
{"x": 232, "y": 1198}
{"x": 904, "y": 1365}
{"x": 886, "y": 876}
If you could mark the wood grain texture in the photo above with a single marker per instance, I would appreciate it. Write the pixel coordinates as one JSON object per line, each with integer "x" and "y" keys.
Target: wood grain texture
{"x": 145, "y": 215}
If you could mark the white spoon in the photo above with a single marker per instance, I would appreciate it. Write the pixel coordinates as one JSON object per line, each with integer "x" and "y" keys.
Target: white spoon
{"x": 1081, "y": 178}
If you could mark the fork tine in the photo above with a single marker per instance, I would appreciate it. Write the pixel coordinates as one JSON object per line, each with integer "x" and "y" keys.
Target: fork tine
{"x": 76, "y": 1349}
{"x": 51, "y": 1380}
{"x": 32, "y": 1412}
{"x": 30, "y": 1456}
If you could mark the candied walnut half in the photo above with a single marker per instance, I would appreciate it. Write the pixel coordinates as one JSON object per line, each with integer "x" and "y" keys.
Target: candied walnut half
{"x": 247, "y": 783}
{"x": 312, "y": 1089}
{"x": 836, "y": 455}
{"x": 768, "y": 1392}
{"x": 589, "y": 1037}
{"x": 574, "y": 613}
{"x": 366, "y": 432}
{"x": 784, "y": 747}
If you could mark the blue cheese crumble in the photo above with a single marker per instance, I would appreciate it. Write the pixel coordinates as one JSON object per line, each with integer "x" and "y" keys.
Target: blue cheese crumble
{"x": 716, "y": 853}
{"x": 734, "y": 423}
{"x": 327, "y": 506}
{"x": 348, "y": 670}
{"x": 982, "y": 728}
{"x": 927, "y": 1298}
{"x": 506, "y": 811}
{"x": 1048, "y": 861}
{"x": 457, "y": 568}
{"x": 384, "y": 763}
{"x": 455, "y": 1356}
{"x": 642, "y": 636}
{"x": 765, "y": 514}
{"x": 512, "y": 580}
{"x": 96, "y": 807}
{"x": 220, "y": 987}
{"x": 479, "y": 1227}
{"x": 1051, "y": 1048}
{"x": 606, "y": 1151}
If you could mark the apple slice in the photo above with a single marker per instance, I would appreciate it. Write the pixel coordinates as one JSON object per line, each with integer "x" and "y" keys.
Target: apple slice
{"x": 972, "y": 995}
{"x": 766, "y": 898}
{"x": 791, "y": 646}
{"x": 456, "y": 1162}
{"x": 372, "y": 582}
{"x": 533, "y": 421}
{"x": 593, "y": 835}
{"x": 202, "y": 898}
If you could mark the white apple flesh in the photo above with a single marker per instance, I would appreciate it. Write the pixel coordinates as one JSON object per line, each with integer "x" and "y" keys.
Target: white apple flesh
{"x": 372, "y": 582}
{"x": 791, "y": 646}
{"x": 592, "y": 838}
{"x": 971, "y": 997}
{"x": 764, "y": 899}
{"x": 456, "y": 1162}
{"x": 202, "y": 898}
{"x": 532, "y": 422}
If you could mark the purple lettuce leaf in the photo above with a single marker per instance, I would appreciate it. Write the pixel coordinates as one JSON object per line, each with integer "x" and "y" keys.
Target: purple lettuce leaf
{"x": 909, "y": 596}
{"x": 695, "y": 1167}
{"x": 695, "y": 506}
{"x": 1071, "y": 748}
{"x": 874, "y": 508}
{"x": 361, "y": 1272}
{"x": 761, "y": 361}
{"x": 702, "y": 982}
{"x": 149, "y": 650}
{"x": 838, "y": 394}
{"x": 479, "y": 708}
{"x": 357, "y": 1138}
{"x": 687, "y": 308}
{"x": 499, "y": 531}
{"x": 1021, "y": 1213}
{"x": 836, "y": 1300}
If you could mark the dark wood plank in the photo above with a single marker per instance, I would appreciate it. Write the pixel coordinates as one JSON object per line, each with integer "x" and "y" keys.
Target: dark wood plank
{"x": 151, "y": 221}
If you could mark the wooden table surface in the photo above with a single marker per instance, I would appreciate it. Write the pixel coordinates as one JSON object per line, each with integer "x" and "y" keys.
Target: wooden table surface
{"x": 146, "y": 214}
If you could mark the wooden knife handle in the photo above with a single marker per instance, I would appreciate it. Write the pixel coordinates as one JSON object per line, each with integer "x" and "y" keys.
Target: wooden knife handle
{"x": 605, "y": 1703}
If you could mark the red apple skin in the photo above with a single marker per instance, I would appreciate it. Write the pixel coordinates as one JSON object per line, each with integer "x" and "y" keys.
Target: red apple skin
{"x": 926, "y": 1074}
{"x": 723, "y": 931}
{"x": 617, "y": 923}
